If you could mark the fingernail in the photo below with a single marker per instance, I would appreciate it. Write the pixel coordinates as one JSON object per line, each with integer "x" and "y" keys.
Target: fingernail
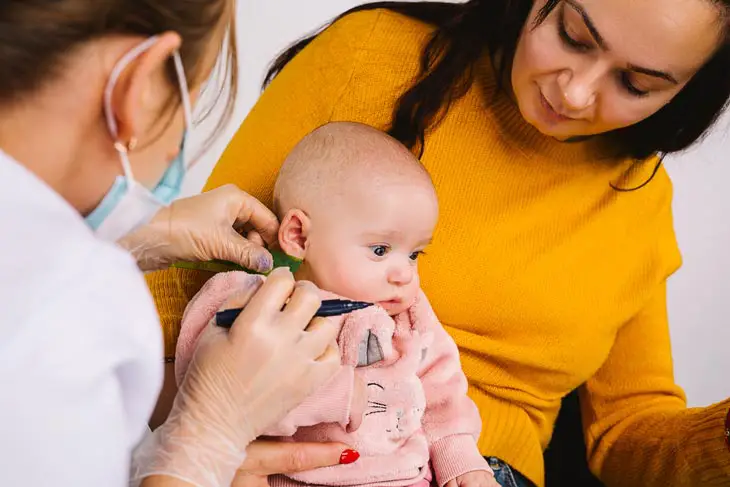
{"x": 265, "y": 262}
{"x": 348, "y": 457}
{"x": 281, "y": 270}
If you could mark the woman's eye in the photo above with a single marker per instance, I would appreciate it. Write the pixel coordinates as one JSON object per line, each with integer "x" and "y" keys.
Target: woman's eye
{"x": 630, "y": 86}
{"x": 379, "y": 250}
{"x": 567, "y": 39}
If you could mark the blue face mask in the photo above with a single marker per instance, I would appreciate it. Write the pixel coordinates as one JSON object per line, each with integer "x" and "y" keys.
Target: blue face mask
{"x": 164, "y": 193}
{"x": 128, "y": 204}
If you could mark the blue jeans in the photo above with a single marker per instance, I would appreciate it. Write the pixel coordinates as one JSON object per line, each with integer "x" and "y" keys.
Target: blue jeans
{"x": 506, "y": 475}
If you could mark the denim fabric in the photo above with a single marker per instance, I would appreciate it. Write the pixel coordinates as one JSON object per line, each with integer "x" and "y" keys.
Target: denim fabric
{"x": 506, "y": 475}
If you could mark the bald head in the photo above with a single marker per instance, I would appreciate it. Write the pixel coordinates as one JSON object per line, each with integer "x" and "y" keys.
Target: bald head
{"x": 333, "y": 159}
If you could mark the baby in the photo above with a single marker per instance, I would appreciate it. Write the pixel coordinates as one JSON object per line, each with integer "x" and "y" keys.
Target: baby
{"x": 358, "y": 209}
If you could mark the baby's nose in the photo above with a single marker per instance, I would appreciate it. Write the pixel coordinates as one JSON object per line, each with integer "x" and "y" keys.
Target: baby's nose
{"x": 401, "y": 275}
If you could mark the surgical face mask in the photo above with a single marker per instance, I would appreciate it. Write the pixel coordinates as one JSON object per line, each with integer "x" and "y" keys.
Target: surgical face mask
{"x": 129, "y": 204}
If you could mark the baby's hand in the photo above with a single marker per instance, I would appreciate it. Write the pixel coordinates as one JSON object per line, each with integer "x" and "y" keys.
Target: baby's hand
{"x": 479, "y": 478}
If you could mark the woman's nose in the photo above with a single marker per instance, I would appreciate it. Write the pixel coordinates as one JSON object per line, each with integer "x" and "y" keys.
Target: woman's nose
{"x": 579, "y": 88}
{"x": 400, "y": 275}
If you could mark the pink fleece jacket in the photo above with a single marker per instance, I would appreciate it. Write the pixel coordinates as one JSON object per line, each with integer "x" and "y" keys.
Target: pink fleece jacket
{"x": 417, "y": 413}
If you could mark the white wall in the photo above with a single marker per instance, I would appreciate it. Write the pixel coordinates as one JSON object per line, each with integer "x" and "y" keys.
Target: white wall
{"x": 699, "y": 294}
{"x": 264, "y": 29}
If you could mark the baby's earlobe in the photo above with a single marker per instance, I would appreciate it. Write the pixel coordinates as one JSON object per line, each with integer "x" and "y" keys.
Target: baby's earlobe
{"x": 293, "y": 233}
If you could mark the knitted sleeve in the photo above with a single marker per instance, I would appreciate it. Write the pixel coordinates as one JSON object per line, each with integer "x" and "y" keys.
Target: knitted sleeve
{"x": 638, "y": 430}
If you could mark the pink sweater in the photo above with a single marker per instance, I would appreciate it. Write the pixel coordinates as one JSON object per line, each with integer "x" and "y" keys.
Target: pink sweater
{"x": 417, "y": 410}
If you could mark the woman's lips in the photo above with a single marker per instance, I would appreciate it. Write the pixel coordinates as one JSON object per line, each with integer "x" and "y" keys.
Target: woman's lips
{"x": 550, "y": 114}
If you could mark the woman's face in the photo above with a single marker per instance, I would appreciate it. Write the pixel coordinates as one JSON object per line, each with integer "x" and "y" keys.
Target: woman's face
{"x": 593, "y": 66}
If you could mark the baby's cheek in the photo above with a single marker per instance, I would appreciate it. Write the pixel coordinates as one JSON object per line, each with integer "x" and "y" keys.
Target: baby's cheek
{"x": 344, "y": 278}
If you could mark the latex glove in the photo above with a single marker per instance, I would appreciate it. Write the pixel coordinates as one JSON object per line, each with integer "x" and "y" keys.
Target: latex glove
{"x": 206, "y": 227}
{"x": 241, "y": 382}
{"x": 480, "y": 478}
{"x": 264, "y": 458}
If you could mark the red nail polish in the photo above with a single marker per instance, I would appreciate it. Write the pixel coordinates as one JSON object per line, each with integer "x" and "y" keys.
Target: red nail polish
{"x": 348, "y": 457}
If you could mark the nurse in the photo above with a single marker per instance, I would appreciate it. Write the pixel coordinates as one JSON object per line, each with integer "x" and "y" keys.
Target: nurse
{"x": 95, "y": 103}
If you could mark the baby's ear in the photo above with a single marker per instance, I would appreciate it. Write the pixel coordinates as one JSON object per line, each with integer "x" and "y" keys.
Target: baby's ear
{"x": 293, "y": 233}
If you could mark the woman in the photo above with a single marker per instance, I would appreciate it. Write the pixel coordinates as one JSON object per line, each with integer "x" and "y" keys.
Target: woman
{"x": 543, "y": 123}
{"x": 109, "y": 86}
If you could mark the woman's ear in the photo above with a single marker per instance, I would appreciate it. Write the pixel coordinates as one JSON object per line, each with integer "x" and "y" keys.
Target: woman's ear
{"x": 294, "y": 233}
{"x": 143, "y": 88}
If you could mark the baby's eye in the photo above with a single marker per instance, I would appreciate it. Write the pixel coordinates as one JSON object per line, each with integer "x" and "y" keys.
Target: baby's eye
{"x": 380, "y": 250}
{"x": 414, "y": 256}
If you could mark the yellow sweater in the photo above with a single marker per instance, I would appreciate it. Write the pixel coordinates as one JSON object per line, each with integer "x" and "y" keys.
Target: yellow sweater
{"x": 546, "y": 277}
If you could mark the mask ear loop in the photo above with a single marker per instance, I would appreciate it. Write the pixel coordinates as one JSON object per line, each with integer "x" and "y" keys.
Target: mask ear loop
{"x": 122, "y": 148}
{"x": 184, "y": 91}
{"x": 185, "y": 97}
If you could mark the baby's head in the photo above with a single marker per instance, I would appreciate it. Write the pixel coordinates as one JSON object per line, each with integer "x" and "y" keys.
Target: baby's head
{"x": 359, "y": 209}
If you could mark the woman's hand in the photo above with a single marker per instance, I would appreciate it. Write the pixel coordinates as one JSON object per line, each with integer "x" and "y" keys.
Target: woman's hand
{"x": 264, "y": 458}
{"x": 242, "y": 381}
{"x": 206, "y": 227}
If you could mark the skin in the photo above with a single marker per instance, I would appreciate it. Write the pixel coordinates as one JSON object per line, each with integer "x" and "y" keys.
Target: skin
{"x": 264, "y": 458}
{"x": 584, "y": 86}
{"x": 78, "y": 161}
{"x": 78, "y": 141}
{"x": 362, "y": 243}
{"x": 368, "y": 246}
{"x": 593, "y": 66}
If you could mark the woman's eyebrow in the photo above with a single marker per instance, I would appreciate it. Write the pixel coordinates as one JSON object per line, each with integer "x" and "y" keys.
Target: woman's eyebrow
{"x": 589, "y": 24}
{"x": 655, "y": 73}
{"x": 603, "y": 45}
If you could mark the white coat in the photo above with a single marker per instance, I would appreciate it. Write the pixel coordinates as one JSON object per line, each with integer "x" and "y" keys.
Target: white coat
{"x": 80, "y": 344}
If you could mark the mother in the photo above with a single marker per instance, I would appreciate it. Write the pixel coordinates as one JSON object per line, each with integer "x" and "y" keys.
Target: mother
{"x": 543, "y": 124}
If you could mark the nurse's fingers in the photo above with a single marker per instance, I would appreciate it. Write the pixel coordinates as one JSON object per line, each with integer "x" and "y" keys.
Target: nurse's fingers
{"x": 303, "y": 304}
{"x": 257, "y": 215}
{"x": 233, "y": 247}
{"x": 255, "y": 238}
{"x": 320, "y": 334}
{"x": 265, "y": 306}
{"x": 242, "y": 297}
{"x": 329, "y": 361}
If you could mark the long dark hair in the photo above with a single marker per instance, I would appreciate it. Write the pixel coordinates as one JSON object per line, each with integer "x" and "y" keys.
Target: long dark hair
{"x": 465, "y": 31}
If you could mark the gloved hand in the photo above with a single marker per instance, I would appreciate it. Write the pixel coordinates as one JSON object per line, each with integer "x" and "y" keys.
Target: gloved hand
{"x": 206, "y": 227}
{"x": 241, "y": 382}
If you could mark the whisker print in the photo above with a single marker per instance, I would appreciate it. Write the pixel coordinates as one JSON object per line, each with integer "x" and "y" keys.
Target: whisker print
{"x": 375, "y": 412}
